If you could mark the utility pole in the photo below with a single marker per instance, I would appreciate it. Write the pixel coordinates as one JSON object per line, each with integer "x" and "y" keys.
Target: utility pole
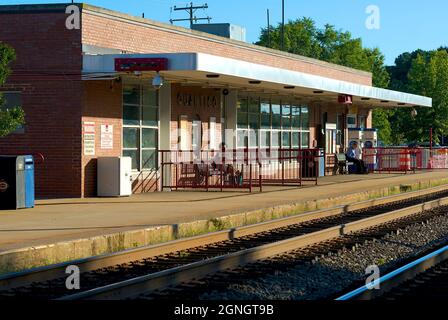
{"x": 269, "y": 29}
{"x": 283, "y": 26}
{"x": 191, "y": 9}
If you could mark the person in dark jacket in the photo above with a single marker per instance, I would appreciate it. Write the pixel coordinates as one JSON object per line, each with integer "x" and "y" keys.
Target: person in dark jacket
{"x": 354, "y": 154}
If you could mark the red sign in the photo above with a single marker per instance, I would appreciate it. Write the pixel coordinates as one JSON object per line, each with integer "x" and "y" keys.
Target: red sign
{"x": 141, "y": 64}
{"x": 345, "y": 99}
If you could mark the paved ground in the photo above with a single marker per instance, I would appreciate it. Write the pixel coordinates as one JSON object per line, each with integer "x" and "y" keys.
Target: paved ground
{"x": 58, "y": 220}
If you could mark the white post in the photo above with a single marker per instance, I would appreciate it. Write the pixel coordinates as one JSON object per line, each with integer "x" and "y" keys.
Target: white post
{"x": 231, "y": 101}
{"x": 165, "y": 127}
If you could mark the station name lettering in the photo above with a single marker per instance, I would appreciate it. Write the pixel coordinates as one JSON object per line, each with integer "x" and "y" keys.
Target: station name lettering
{"x": 196, "y": 101}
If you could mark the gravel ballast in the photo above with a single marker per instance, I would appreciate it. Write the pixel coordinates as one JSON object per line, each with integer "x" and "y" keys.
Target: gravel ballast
{"x": 329, "y": 274}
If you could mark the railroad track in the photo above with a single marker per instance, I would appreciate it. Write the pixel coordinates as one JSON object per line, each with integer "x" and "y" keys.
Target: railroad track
{"x": 126, "y": 274}
{"x": 221, "y": 281}
{"x": 425, "y": 278}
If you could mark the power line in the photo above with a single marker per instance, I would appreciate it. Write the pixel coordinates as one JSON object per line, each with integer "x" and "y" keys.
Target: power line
{"x": 191, "y": 9}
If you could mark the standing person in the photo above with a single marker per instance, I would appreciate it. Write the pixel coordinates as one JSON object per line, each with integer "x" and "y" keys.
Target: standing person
{"x": 354, "y": 154}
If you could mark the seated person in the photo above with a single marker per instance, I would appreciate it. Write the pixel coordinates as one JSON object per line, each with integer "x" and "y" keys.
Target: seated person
{"x": 354, "y": 154}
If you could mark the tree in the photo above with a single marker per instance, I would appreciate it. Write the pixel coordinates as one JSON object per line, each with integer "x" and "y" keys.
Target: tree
{"x": 328, "y": 44}
{"x": 10, "y": 118}
{"x": 423, "y": 73}
{"x": 428, "y": 76}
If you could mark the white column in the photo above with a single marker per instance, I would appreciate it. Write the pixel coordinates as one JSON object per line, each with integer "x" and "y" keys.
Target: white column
{"x": 165, "y": 125}
{"x": 230, "y": 103}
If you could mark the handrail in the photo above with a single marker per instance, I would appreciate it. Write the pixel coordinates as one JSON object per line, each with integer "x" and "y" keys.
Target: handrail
{"x": 222, "y": 168}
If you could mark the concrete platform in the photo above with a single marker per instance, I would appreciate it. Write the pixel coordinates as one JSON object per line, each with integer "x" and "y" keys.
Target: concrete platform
{"x": 182, "y": 213}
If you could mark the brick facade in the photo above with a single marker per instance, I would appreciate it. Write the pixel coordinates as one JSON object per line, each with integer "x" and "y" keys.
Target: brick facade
{"x": 109, "y": 29}
{"x": 47, "y": 71}
{"x": 57, "y": 102}
{"x": 102, "y": 106}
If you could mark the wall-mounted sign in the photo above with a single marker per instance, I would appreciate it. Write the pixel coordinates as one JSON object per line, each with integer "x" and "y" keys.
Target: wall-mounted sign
{"x": 196, "y": 101}
{"x": 89, "y": 138}
{"x": 107, "y": 136}
{"x": 330, "y": 126}
{"x": 345, "y": 99}
{"x": 351, "y": 121}
{"x": 141, "y": 64}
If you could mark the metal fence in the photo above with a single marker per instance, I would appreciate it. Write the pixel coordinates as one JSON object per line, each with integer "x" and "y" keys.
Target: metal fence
{"x": 238, "y": 168}
{"x": 403, "y": 159}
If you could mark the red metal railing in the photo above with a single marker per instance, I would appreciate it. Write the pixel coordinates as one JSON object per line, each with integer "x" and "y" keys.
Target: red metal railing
{"x": 237, "y": 168}
{"x": 403, "y": 159}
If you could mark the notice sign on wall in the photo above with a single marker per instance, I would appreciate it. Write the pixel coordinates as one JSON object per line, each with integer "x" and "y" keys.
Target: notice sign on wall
{"x": 89, "y": 138}
{"x": 107, "y": 136}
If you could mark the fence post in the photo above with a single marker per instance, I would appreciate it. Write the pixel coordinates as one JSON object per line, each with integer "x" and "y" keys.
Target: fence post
{"x": 300, "y": 161}
{"x": 162, "y": 171}
{"x": 282, "y": 159}
{"x": 250, "y": 177}
{"x": 316, "y": 159}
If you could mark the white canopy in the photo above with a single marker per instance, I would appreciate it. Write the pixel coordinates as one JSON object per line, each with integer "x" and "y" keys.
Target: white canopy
{"x": 224, "y": 72}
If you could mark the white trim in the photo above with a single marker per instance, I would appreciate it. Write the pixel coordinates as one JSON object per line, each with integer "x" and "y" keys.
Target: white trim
{"x": 205, "y": 63}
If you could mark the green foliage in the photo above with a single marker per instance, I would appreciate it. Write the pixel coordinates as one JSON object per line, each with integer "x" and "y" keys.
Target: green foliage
{"x": 381, "y": 122}
{"x": 11, "y": 118}
{"x": 424, "y": 73}
{"x": 303, "y": 37}
{"x": 7, "y": 55}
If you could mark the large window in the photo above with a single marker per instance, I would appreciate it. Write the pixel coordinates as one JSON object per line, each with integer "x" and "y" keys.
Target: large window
{"x": 274, "y": 124}
{"x": 140, "y": 126}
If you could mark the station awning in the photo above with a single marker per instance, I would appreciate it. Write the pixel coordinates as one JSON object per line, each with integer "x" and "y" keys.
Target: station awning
{"x": 220, "y": 72}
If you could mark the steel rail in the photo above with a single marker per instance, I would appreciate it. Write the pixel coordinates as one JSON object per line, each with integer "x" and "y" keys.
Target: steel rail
{"x": 396, "y": 277}
{"x": 40, "y": 274}
{"x": 161, "y": 280}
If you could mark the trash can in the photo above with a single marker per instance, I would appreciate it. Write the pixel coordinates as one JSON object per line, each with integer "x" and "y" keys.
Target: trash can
{"x": 29, "y": 182}
{"x": 16, "y": 182}
{"x": 321, "y": 161}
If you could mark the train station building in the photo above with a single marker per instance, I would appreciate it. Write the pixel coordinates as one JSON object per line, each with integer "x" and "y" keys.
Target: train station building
{"x": 124, "y": 86}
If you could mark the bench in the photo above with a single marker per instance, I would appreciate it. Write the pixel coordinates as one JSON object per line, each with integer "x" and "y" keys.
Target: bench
{"x": 342, "y": 164}
{"x": 199, "y": 175}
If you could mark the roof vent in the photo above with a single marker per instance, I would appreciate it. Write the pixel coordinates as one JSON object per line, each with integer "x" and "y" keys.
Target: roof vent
{"x": 225, "y": 30}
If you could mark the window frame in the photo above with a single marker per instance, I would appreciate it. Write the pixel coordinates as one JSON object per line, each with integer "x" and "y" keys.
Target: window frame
{"x": 274, "y": 134}
{"x": 141, "y": 149}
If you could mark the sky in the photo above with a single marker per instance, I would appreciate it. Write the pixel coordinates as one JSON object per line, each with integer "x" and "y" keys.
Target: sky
{"x": 405, "y": 25}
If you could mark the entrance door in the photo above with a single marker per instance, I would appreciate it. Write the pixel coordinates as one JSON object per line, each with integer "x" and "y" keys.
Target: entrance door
{"x": 330, "y": 138}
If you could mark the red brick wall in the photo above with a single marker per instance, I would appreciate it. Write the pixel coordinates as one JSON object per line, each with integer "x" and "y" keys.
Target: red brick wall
{"x": 102, "y": 105}
{"x": 47, "y": 71}
{"x": 109, "y": 32}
